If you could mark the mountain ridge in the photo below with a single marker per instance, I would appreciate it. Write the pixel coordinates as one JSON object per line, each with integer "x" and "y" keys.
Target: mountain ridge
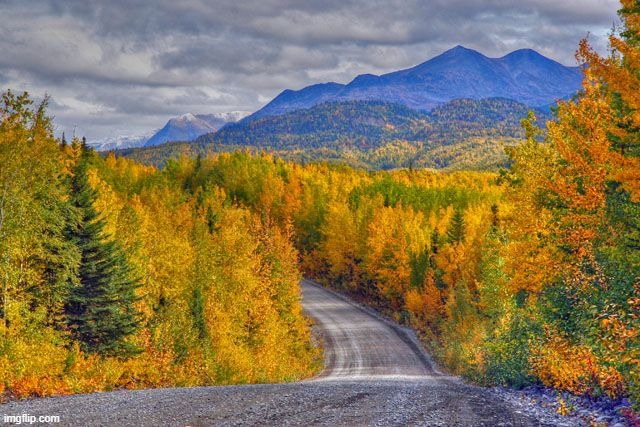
{"x": 522, "y": 75}
{"x": 461, "y": 134}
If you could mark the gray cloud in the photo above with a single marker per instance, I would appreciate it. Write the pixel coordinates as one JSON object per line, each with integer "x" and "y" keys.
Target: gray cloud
{"x": 125, "y": 66}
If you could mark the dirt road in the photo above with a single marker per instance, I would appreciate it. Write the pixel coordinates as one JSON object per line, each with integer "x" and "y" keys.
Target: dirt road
{"x": 360, "y": 345}
{"x": 375, "y": 374}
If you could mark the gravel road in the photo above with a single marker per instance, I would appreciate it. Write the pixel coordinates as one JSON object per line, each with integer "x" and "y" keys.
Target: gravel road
{"x": 375, "y": 374}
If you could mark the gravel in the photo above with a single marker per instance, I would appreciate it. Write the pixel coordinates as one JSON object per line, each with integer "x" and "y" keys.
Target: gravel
{"x": 386, "y": 402}
{"x": 543, "y": 403}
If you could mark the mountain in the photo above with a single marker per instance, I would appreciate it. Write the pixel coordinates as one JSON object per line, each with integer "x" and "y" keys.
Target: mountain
{"x": 364, "y": 123}
{"x": 524, "y": 76}
{"x": 121, "y": 142}
{"x": 184, "y": 128}
{"x": 189, "y": 126}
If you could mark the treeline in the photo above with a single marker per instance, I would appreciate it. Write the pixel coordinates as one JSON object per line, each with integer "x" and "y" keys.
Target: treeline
{"x": 480, "y": 154}
{"x": 460, "y": 134}
{"x": 118, "y": 275}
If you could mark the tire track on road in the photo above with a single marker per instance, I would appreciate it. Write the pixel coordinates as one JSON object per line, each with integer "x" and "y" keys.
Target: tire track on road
{"x": 359, "y": 343}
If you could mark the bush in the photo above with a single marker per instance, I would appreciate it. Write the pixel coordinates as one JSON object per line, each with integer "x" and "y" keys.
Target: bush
{"x": 508, "y": 351}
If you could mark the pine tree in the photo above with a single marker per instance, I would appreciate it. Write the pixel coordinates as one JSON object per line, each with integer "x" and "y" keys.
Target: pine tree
{"x": 100, "y": 311}
{"x": 495, "y": 217}
{"x": 435, "y": 243}
{"x": 212, "y": 220}
{"x": 455, "y": 233}
{"x": 435, "y": 273}
{"x": 197, "y": 306}
{"x": 59, "y": 257}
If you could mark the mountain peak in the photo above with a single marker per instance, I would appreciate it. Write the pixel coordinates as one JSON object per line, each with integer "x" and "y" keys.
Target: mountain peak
{"x": 187, "y": 117}
{"x": 460, "y": 50}
{"x": 458, "y": 57}
{"x": 526, "y": 53}
{"x": 531, "y": 61}
{"x": 188, "y": 127}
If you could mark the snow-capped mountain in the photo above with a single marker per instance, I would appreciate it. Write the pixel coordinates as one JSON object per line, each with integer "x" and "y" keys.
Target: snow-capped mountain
{"x": 189, "y": 126}
{"x": 183, "y": 128}
{"x": 122, "y": 141}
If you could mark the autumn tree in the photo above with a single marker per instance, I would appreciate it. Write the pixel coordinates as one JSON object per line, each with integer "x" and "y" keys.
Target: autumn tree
{"x": 577, "y": 195}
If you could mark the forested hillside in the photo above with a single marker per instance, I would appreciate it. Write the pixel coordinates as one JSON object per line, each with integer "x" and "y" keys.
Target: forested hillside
{"x": 460, "y": 134}
{"x": 494, "y": 271}
{"x": 366, "y": 125}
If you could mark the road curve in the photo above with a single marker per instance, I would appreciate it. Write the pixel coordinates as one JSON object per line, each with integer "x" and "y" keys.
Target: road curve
{"x": 359, "y": 344}
{"x": 375, "y": 374}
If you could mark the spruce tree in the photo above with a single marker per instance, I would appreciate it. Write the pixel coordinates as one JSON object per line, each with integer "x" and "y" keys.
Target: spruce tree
{"x": 212, "y": 220}
{"x": 58, "y": 258}
{"x": 455, "y": 233}
{"x": 100, "y": 310}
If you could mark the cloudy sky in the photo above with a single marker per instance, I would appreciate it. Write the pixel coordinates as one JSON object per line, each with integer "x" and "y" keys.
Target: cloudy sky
{"x": 120, "y": 67}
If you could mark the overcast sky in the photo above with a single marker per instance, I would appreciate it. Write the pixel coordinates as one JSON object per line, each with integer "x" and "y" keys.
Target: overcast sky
{"x": 117, "y": 67}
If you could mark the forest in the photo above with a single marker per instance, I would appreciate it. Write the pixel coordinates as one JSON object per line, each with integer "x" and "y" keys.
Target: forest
{"x": 117, "y": 274}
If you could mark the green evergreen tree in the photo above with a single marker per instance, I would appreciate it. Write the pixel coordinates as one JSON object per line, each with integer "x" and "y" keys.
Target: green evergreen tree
{"x": 100, "y": 310}
{"x": 433, "y": 266}
{"x": 435, "y": 244}
{"x": 58, "y": 257}
{"x": 196, "y": 304}
{"x": 495, "y": 217}
{"x": 455, "y": 233}
{"x": 212, "y": 220}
